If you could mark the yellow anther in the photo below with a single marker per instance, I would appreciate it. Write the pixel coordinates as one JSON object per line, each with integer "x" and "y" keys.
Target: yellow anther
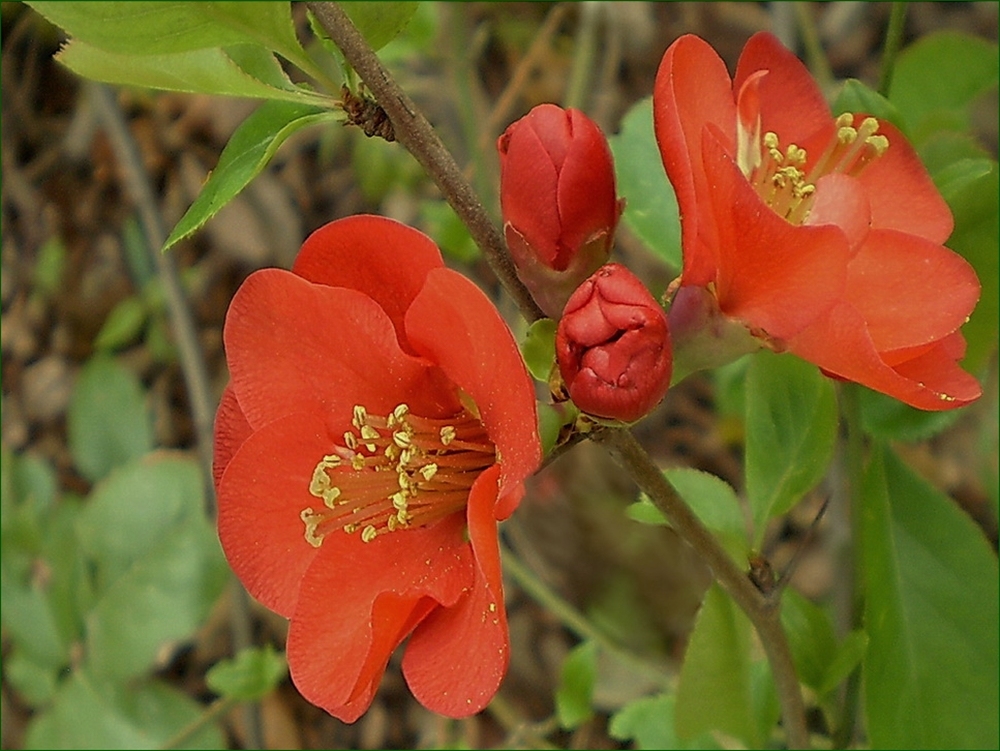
{"x": 448, "y": 434}
{"x": 868, "y": 127}
{"x": 350, "y": 440}
{"x": 847, "y": 135}
{"x": 770, "y": 140}
{"x": 357, "y": 462}
{"x": 428, "y": 471}
{"x": 401, "y": 439}
{"x": 330, "y": 497}
{"x": 360, "y": 416}
{"x": 796, "y": 155}
{"x": 879, "y": 143}
{"x": 844, "y": 120}
{"x": 399, "y": 501}
{"x": 369, "y": 533}
{"x": 320, "y": 481}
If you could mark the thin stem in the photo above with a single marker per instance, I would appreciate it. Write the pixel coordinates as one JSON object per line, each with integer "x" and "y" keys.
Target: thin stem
{"x": 193, "y": 366}
{"x": 217, "y": 708}
{"x": 764, "y": 612}
{"x": 893, "y": 41}
{"x": 585, "y": 50}
{"x": 573, "y": 619}
{"x": 420, "y": 139}
{"x": 818, "y": 63}
{"x": 854, "y": 459}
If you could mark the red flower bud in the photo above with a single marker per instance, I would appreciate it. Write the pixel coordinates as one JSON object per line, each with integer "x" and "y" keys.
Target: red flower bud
{"x": 613, "y": 346}
{"x": 557, "y": 193}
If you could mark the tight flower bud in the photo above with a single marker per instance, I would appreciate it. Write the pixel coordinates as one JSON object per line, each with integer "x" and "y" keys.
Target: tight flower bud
{"x": 557, "y": 194}
{"x": 613, "y": 346}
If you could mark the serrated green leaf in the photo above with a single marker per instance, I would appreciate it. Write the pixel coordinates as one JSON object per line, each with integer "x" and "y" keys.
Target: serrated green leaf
{"x": 380, "y": 22}
{"x": 123, "y": 324}
{"x": 203, "y": 71}
{"x": 931, "y": 613}
{"x": 158, "y": 563}
{"x": 715, "y": 690}
{"x": 857, "y": 98}
{"x": 249, "y": 676}
{"x": 539, "y": 348}
{"x": 575, "y": 693}
{"x": 791, "y": 424}
{"x": 108, "y": 422}
{"x": 649, "y": 722}
{"x": 156, "y": 28}
{"x": 937, "y": 77}
{"x": 249, "y": 150}
{"x": 90, "y": 713}
{"x": 650, "y": 204}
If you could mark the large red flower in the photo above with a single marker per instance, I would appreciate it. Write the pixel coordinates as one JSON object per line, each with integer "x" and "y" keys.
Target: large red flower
{"x": 378, "y": 423}
{"x": 822, "y": 236}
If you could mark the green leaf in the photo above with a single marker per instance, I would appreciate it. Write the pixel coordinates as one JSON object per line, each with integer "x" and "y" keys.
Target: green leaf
{"x": 249, "y": 676}
{"x": 89, "y": 713}
{"x": 34, "y": 683}
{"x": 650, "y": 723}
{"x": 938, "y": 77}
{"x": 575, "y": 693}
{"x": 380, "y": 22}
{"x": 848, "y": 656}
{"x": 50, "y": 265}
{"x": 931, "y": 613}
{"x": 205, "y": 71}
{"x": 551, "y": 419}
{"x": 977, "y": 227}
{"x": 713, "y": 501}
{"x": 157, "y": 28}
{"x": 889, "y": 419}
{"x": 791, "y": 425}
{"x": 249, "y": 150}
{"x": 857, "y": 98}
{"x": 650, "y": 205}
{"x": 810, "y": 637}
{"x": 539, "y": 348}
{"x": 158, "y": 562}
{"x": 715, "y": 691}
{"x": 108, "y": 422}
{"x": 442, "y": 223}
{"x": 123, "y": 324}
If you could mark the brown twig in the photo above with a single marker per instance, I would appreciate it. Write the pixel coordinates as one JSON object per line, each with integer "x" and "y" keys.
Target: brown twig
{"x": 420, "y": 139}
{"x": 417, "y": 135}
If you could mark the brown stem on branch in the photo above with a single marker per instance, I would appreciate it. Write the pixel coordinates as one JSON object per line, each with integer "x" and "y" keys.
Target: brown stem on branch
{"x": 415, "y": 133}
{"x": 764, "y": 612}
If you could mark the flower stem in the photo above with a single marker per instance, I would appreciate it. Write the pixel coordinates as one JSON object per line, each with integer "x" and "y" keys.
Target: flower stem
{"x": 420, "y": 139}
{"x": 764, "y": 612}
{"x": 217, "y": 708}
{"x": 893, "y": 41}
{"x": 818, "y": 63}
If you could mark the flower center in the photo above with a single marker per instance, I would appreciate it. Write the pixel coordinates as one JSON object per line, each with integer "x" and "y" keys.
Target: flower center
{"x": 396, "y": 472}
{"x": 781, "y": 179}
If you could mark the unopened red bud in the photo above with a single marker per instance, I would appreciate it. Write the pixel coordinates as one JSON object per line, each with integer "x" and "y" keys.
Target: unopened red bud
{"x": 557, "y": 194}
{"x": 613, "y": 346}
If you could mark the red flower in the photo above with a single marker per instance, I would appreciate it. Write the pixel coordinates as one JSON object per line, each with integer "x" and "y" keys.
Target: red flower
{"x": 613, "y": 346}
{"x": 379, "y": 422}
{"x": 822, "y": 236}
{"x": 557, "y": 193}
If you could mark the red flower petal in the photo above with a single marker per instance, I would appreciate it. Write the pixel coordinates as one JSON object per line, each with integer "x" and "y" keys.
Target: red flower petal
{"x": 294, "y": 346}
{"x": 586, "y": 192}
{"x": 357, "y": 603}
{"x": 455, "y": 325}
{"x": 901, "y": 192}
{"x": 528, "y": 188}
{"x": 386, "y": 260}
{"x": 693, "y": 89}
{"x": 842, "y": 201}
{"x": 790, "y": 101}
{"x": 457, "y": 657}
{"x": 909, "y": 290}
{"x": 261, "y": 494}
{"x": 772, "y": 275}
{"x": 231, "y": 430}
{"x": 839, "y": 344}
